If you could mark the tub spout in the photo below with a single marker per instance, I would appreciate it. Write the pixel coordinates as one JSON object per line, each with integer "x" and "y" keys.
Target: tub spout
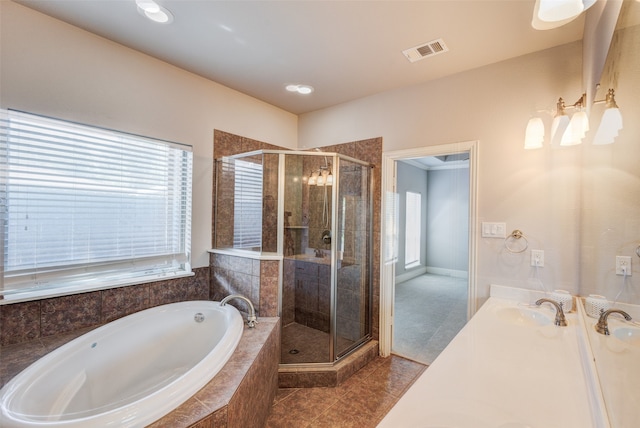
{"x": 560, "y": 319}
{"x": 251, "y": 318}
{"x": 603, "y": 326}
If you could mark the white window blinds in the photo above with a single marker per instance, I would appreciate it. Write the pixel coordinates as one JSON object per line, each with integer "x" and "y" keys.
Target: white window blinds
{"x": 247, "y": 206}
{"x": 89, "y": 208}
{"x": 413, "y": 232}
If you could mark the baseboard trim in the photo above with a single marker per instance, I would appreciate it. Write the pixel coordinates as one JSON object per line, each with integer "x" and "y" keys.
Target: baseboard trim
{"x": 448, "y": 272}
{"x": 414, "y": 273}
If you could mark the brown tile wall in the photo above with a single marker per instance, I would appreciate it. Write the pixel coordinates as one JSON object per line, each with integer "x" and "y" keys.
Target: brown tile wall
{"x": 256, "y": 280}
{"x": 21, "y": 322}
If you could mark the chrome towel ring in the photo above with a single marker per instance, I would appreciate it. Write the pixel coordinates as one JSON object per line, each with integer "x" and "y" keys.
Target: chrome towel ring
{"x": 515, "y": 236}
{"x": 638, "y": 250}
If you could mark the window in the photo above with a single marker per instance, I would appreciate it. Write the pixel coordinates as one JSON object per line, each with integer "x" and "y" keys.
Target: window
{"x": 247, "y": 205}
{"x": 88, "y": 208}
{"x": 412, "y": 230}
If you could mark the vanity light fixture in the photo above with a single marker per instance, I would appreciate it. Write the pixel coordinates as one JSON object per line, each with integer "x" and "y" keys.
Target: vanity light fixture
{"x": 565, "y": 132}
{"x": 549, "y": 14}
{"x": 611, "y": 121}
{"x": 321, "y": 177}
{"x": 154, "y": 11}
{"x": 560, "y": 123}
{"x": 301, "y": 89}
{"x": 578, "y": 126}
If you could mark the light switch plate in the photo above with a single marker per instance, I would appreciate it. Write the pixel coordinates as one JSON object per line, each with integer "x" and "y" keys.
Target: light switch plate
{"x": 494, "y": 230}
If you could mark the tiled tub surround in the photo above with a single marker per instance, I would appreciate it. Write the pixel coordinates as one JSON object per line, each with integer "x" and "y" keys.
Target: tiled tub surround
{"x": 239, "y": 396}
{"x": 505, "y": 369}
{"x": 40, "y": 319}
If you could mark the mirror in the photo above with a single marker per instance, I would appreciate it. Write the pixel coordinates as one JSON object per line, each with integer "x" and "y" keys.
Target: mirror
{"x": 610, "y": 196}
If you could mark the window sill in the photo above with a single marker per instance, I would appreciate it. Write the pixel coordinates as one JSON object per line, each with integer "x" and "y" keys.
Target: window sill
{"x": 29, "y": 295}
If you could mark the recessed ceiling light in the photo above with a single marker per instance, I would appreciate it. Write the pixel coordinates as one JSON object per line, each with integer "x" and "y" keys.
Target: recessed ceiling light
{"x": 148, "y": 5}
{"x": 154, "y": 11}
{"x": 301, "y": 89}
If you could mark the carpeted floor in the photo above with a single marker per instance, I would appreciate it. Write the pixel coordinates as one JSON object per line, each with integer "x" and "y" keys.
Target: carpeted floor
{"x": 428, "y": 312}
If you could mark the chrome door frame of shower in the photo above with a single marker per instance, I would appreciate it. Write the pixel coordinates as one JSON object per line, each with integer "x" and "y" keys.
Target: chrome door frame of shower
{"x": 335, "y": 171}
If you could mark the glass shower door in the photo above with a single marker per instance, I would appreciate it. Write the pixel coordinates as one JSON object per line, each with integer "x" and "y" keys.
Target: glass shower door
{"x": 353, "y": 291}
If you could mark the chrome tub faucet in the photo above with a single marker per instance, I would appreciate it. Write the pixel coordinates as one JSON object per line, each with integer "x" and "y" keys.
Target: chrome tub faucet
{"x": 252, "y": 320}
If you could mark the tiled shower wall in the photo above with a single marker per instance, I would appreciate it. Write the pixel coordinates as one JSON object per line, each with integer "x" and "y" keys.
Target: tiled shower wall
{"x": 21, "y": 322}
{"x": 224, "y": 269}
{"x": 256, "y": 280}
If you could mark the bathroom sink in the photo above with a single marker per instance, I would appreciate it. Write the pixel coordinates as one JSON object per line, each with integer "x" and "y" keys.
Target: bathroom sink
{"x": 630, "y": 335}
{"x": 524, "y": 316}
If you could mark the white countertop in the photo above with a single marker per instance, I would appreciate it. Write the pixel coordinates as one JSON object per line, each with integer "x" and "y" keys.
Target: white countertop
{"x": 503, "y": 371}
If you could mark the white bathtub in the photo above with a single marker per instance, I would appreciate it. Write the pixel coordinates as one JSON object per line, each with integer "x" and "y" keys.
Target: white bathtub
{"x": 127, "y": 373}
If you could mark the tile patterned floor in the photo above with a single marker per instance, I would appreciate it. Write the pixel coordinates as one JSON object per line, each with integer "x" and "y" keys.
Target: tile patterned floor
{"x": 360, "y": 402}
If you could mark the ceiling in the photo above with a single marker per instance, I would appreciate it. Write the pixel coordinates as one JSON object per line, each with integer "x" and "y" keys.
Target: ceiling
{"x": 345, "y": 49}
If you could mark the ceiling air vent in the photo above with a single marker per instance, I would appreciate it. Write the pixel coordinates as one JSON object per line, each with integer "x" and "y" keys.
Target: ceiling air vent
{"x": 425, "y": 50}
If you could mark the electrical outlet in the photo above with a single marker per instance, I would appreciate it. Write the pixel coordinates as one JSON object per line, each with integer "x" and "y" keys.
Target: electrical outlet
{"x": 537, "y": 258}
{"x": 623, "y": 263}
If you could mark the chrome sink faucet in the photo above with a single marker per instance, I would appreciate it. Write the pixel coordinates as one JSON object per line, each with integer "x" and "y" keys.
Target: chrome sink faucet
{"x": 603, "y": 326}
{"x": 560, "y": 319}
{"x": 251, "y": 318}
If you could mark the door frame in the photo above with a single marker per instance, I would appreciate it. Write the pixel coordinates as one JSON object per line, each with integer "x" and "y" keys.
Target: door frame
{"x": 387, "y": 267}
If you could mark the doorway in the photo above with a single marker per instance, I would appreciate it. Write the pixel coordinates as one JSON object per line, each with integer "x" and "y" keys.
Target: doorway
{"x": 428, "y": 285}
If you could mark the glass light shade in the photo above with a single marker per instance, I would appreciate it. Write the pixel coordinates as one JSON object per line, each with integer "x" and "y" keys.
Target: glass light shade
{"x": 559, "y": 10}
{"x": 329, "y": 180}
{"x": 321, "y": 179}
{"x": 534, "y": 135}
{"x": 313, "y": 180}
{"x": 609, "y": 127}
{"x": 576, "y": 130}
{"x": 558, "y": 128}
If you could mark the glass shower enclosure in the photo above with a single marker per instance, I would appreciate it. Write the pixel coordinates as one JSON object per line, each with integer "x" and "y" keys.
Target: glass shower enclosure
{"x": 312, "y": 211}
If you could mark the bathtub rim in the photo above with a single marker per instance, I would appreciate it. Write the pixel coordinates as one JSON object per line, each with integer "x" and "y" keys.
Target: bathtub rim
{"x": 146, "y": 410}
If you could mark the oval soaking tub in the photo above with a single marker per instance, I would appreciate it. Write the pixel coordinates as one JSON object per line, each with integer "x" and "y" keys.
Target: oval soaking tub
{"x": 127, "y": 373}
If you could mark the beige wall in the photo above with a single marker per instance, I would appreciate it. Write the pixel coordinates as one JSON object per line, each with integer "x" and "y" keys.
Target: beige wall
{"x": 552, "y": 194}
{"x": 52, "y": 68}
{"x": 540, "y": 191}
